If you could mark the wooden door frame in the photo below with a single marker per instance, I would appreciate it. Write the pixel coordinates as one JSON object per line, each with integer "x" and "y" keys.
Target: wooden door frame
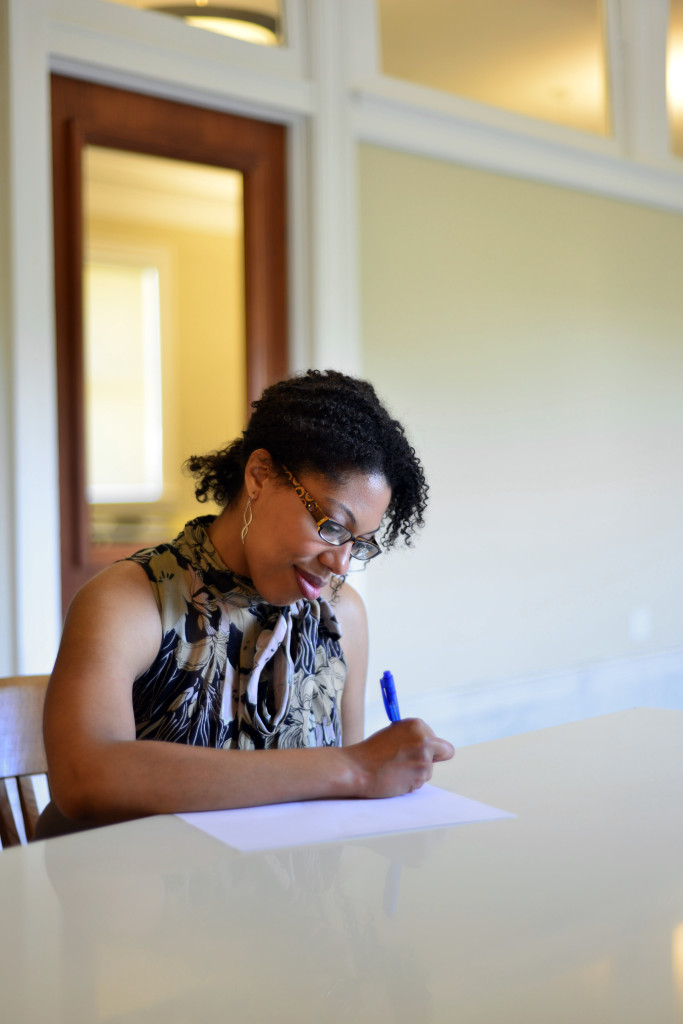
{"x": 83, "y": 114}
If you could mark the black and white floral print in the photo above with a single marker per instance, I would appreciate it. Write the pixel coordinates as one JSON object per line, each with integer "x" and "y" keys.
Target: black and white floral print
{"x": 233, "y": 671}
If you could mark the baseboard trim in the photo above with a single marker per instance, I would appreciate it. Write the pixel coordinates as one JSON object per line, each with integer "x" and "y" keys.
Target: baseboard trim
{"x": 490, "y": 709}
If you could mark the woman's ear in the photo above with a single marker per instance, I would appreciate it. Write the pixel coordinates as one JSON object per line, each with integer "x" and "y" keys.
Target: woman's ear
{"x": 258, "y": 470}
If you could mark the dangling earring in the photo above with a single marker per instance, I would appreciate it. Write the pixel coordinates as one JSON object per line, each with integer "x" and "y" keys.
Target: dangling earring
{"x": 246, "y": 519}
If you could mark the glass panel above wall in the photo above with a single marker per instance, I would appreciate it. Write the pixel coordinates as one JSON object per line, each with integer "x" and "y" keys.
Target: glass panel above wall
{"x": 252, "y": 21}
{"x": 674, "y": 75}
{"x": 544, "y": 60}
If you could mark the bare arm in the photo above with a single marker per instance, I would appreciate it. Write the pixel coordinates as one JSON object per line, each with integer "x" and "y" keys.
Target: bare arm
{"x": 100, "y": 772}
{"x": 350, "y": 612}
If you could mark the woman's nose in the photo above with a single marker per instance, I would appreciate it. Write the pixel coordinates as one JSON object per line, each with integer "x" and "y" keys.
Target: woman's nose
{"x": 337, "y": 558}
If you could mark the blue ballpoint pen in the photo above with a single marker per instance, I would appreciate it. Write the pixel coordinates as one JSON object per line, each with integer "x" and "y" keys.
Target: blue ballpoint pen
{"x": 390, "y": 698}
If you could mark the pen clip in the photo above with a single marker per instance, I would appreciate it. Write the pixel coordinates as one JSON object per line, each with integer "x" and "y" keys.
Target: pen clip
{"x": 389, "y": 697}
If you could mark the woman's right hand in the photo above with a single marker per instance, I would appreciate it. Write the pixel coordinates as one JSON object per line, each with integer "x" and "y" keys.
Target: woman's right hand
{"x": 398, "y": 759}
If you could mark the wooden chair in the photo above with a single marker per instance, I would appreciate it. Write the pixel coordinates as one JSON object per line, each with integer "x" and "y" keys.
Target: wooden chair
{"x": 22, "y": 755}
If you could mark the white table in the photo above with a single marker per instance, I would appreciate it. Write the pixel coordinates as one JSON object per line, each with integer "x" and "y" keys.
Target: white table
{"x": 571, "y": 912}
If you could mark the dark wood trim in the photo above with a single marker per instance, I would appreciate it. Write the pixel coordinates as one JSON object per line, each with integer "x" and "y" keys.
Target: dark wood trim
{"x": 87, "y": 114}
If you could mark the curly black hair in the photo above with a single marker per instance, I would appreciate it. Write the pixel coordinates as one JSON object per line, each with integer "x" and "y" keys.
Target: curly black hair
{"x": 330, "y": 423}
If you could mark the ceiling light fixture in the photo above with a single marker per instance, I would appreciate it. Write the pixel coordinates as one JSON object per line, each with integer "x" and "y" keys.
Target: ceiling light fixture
{"x": 249, "y": 26}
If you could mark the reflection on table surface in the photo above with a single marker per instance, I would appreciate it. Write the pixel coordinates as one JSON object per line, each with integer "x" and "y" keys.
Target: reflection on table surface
{"x": 571, "y": 911}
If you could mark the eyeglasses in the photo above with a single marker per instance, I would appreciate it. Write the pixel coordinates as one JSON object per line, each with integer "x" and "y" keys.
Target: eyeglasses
{"x": 329, "y": 530}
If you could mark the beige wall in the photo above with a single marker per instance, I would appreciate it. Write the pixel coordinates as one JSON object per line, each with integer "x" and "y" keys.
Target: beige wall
{"x": 531, "y": 338}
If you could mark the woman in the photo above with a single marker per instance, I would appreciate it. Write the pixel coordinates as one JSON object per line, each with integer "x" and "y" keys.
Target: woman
{"x": 222, "y": 648}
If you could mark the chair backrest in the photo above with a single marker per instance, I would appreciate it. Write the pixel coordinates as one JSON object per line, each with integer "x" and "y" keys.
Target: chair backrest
{"x": 22, "y": 755}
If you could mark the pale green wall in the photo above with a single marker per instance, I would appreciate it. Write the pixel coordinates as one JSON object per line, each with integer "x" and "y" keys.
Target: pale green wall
{"x": 531, "y": 338}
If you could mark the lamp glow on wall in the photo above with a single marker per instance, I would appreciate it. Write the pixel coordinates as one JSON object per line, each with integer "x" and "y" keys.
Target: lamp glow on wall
{"x": 250, "y": 26}
{"x": 674, "y": 77}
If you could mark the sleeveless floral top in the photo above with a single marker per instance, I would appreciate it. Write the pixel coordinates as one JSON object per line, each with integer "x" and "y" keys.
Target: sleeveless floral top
{"x": 233, "y": 671}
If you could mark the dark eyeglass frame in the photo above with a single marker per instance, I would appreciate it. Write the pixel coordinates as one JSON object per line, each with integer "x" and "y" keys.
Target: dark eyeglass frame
{"x": 361, "y": 548}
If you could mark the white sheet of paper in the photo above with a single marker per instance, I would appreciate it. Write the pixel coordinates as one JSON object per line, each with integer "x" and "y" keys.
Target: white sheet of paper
{"x": 324, "y": 821}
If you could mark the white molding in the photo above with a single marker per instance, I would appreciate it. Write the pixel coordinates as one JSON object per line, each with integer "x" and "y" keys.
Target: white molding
{"x": 587, "y": 165}
{"x": 616, "y": 71}
{"x": 232, "y": 91}
{"x": 35, "y": 580}
{"x": 363, "y": 39}
{"x": 135, "y": 49}
{"x": 334, "y": 211}
{"x": 8, "y": 624}
{"x": 298, "y": 249}
{"x": 490, "y": 709}
{"x": 299, "y": 100}
{"x": 296, "y": 35}
{"x": 151, "y": 32}
{"x": 644, "y": 30}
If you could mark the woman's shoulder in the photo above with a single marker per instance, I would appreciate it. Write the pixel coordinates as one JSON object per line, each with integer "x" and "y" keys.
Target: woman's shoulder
{"x": 117, "y": 603}
{"x": 124, "y": 575}
{"x": 123, "y": 584}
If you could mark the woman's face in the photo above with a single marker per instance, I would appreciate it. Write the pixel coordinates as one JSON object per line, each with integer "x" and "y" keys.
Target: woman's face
{"x": 285, "y": 556}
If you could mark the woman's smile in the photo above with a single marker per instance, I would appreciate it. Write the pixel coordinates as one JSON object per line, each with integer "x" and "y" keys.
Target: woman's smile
{"x": 310, "y": 586}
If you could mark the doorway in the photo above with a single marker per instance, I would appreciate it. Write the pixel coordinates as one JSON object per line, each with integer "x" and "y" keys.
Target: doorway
{"x": 139, "y": 154}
